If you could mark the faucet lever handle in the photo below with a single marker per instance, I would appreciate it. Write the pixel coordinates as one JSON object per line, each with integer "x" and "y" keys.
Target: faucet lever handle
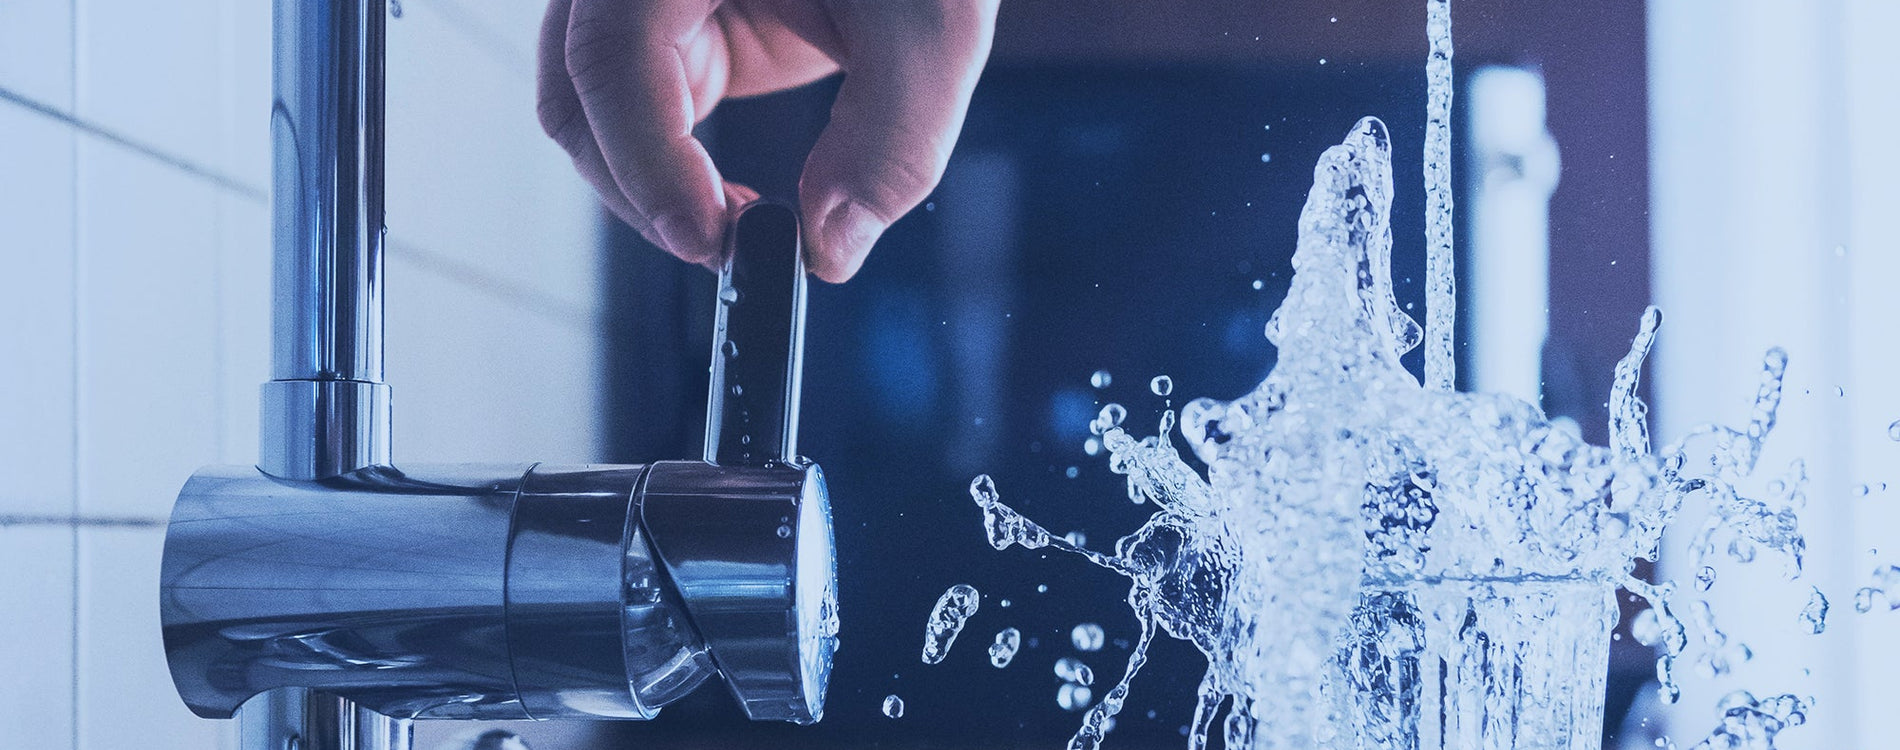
{"x": 758, "y": 341}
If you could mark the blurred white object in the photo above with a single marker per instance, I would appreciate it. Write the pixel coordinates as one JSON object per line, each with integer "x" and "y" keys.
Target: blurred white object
{"x": 1516, "y": 165}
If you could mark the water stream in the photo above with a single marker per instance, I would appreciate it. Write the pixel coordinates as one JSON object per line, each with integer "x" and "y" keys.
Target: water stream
{"x": 1372, "y": 562}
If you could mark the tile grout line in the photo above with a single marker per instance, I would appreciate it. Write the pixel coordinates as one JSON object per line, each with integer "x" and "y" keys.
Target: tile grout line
{"x": 187, "y": 166}
{"x": 77, "y": 522}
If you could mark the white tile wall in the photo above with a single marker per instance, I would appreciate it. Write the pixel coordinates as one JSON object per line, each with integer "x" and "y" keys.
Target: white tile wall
{"x": 36, "y": 51}
{"x": 125, "y": 696}
{"x": 531, "y": 222}
{"x": 36, "y": 624}
{"x": 151, "y": 72}
{"x": 36, "y": 313}
{"x": 134, "y": 308}
{"x": 148, "y": 330}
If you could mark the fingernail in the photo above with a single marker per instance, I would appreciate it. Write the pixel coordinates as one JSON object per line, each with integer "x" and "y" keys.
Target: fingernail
{"x": 848, "y": 233}
{"x": 691, "y": 240}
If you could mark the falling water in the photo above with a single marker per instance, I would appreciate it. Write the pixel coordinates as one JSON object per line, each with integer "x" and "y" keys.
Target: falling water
{"x": 1440, "y": 285}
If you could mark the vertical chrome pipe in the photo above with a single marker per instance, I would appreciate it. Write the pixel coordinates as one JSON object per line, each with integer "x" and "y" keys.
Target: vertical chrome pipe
{"x": 299, "y": 719}
{"x": 326, "y": 409}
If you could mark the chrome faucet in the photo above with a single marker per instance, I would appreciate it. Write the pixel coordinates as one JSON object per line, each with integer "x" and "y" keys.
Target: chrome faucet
{"x": 326, "y": 597}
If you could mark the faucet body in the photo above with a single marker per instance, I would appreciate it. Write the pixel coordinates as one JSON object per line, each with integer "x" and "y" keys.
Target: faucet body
{"x": 495, "y": 592}
{"x": 326, "y": 597}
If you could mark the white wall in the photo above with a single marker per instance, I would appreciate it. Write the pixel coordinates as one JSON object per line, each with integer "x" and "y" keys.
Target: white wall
{"x": 1773, "y": 197}
{"x": 134, "y": 293}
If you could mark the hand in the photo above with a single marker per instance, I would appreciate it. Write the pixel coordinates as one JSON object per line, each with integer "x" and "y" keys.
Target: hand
{"x": 623, "y": 81}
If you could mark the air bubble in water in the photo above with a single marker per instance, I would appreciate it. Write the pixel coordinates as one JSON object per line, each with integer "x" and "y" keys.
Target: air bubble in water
{"x": 1087, "y": 636}
{"x": 1008, "y": 641}
{"x": 1161, "y": 385}
{"x": 893, "y": 706}
{"x": 1073, "y": 670}
{"x": 946, "y": 620}
{"x": 1101, "y": 379}
{"x": 1073, "y": 697}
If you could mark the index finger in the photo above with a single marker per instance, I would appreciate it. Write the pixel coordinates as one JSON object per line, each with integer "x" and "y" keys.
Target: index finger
{"x": 634, "y": 67}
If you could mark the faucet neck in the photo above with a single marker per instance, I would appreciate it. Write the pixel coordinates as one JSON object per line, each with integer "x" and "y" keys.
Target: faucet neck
{"x": 326, "y": 408}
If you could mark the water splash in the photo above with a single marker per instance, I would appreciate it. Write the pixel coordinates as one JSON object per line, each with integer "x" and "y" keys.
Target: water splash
{"x": 954, "y": 608}
{"x": 893, "y": 706}
{"x": 1359, "y": 537}
{"x": 1749, "y": 724}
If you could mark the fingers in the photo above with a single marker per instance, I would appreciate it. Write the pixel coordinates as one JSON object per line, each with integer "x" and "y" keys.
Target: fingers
{"x": 632, "y": 69}
{"x": 909, "y": 70}
{"x": 559, "y": 109}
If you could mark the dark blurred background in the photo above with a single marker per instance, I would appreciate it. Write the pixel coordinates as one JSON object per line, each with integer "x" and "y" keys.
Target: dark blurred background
{"x": 1123, "y": 199}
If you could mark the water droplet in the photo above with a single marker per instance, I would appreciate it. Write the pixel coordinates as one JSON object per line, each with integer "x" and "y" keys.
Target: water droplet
{"x": 1101, "y": 379}
{"x": 1322, "y": 61}
{"x": 1042, "y": 588}
{"x": 1267, "y": 158}
{"x": 1008, "y": 642}
{"x": 1862, "y": 490}
{"x": 737, "y": 390}
{"x": 1072, "y": 472}
{"x": 946, "y": 619}
{"x": 893, "y": 706}
{"x": 784, "y": 532}
{"x": 1864, "y": 599}
{"x": 1087, "y": 636}
{"x": 1092, "y": 446}
{"x": 729, "y": 295}
{"x": 1076, "y": 538}
{"x": 1704, "y": 578}
{"x": 1073, "y": 697}
{"x": 1161, "y": 385}
{"x": 1111, "y": 416}
{"x": 1073, "y": 670}
{"x": 1893, "y": 431}
{"x": 1814, "y": 615}
{"x": 1259, "y": 285}
{"x": 395, "y": 9}
{"x": 1840, "y": 392}
{"x": 729, "y": 349}
{"x": 1002, "y": 603}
